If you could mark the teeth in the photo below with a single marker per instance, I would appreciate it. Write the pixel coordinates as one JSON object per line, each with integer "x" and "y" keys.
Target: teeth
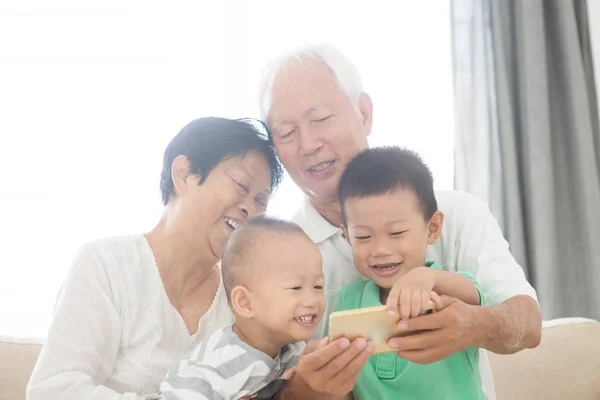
{"x": 322, "y": 166}
{"x": 385, "y": 267}
{"x": 231, "y": 223}
{"x": 305, "y": 319}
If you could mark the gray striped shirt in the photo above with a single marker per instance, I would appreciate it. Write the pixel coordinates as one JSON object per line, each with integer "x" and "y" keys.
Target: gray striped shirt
{"x": 223, "y": 367}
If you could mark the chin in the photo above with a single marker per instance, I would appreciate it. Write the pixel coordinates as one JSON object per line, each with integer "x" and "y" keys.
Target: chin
{"x": 301, "y": 338}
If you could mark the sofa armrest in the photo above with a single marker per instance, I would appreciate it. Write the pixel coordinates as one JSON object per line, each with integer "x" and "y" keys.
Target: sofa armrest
{"x": 566, "y": 364}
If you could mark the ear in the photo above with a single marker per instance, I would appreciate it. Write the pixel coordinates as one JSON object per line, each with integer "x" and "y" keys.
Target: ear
{"x": 435, "y": 227}
{"x": 241, "y": 302}
{"x": 365, "y": 105}
{"x": 180, "y": 172}
{"x": 346, "y": 235}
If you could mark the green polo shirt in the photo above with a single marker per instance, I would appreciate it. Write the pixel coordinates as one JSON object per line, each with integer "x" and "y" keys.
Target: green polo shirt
{"x": 387, "y": 376}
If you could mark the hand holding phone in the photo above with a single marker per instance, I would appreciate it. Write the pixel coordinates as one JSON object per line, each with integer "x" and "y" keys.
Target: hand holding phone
{"x": 372, "y": 323}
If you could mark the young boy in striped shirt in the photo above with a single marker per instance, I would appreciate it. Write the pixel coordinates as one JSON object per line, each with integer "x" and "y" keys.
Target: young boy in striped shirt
{"x": 272, "y": 274}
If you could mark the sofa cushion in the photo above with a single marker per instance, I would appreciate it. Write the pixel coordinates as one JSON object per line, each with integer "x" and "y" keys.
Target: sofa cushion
{"x": 566, "y": 365}
{"x": 17, "y": 358}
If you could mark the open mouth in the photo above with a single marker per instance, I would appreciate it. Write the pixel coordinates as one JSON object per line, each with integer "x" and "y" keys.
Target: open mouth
{"x": 386, "y": 269}
{"x": 307, "y": 320}
{"x": 321, "y": 167}
{"x": 232, "y": 224}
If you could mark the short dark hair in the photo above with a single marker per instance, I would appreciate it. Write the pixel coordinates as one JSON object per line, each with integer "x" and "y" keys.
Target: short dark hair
{"x": 206, "y": 142}
{"x": 241, "y": 246}
{"x": 382, "y": 170}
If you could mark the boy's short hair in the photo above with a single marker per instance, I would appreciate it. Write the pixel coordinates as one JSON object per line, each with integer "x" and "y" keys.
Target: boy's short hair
{"x": 241, "y": 248}
{"x": 382, "y": 170}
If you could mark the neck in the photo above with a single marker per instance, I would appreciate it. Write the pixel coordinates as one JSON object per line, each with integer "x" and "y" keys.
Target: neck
{"x": 329, "y": 209}
{"x": 252, "y": 334}
{"x": 182, "y": 265}
{"x": 383, "y": 294}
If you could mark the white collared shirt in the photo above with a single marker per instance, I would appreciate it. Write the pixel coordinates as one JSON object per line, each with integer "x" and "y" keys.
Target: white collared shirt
{"x": 471, "y": 241}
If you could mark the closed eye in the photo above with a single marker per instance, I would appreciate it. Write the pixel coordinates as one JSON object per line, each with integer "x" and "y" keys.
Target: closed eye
{"x": 296, "y": 288}
{"x": 323, "y": 119}
{"x": 319, "y": 287}
{"x": 399, "y": 233}
{"x": 262, "y": 203}
{"x": 287, "y": 135}
{"x": 362, "y": 237}
{"x": 244, "y": 187}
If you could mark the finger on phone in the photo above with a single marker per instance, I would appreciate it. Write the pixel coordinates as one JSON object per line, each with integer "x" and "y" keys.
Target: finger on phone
{"x": 415, "y": 304}
{"x": 405, "y": 306}
{"x": 436, "y": 320}
{"x": 323, "y": 356}
{"x": 418, "y": 341}
{"x": 393, "y": 301}
{"x": 425, "y": 298}
{"x": 436, "y": 300}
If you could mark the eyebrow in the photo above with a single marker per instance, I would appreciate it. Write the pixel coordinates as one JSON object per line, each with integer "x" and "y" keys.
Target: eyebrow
{"x": 317, "y": 108}
{"x": 389, "y": 223}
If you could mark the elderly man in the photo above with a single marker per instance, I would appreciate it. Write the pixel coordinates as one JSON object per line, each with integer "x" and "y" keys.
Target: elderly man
{"x": 313, "y": 101}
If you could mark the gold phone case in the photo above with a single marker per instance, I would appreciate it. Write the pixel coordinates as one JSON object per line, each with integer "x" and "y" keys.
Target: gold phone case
{"x": 371, "y": 323}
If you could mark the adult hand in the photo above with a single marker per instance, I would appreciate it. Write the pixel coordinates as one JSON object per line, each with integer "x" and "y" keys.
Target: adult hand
{"x": 328, "y": 368}
{"x": 453, "y": 327}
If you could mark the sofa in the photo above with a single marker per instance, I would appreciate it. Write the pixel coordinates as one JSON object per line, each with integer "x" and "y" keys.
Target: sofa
{"x": 566, "y": 365}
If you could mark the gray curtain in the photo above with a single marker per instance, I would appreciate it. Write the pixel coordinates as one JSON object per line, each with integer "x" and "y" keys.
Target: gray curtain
{"x": 528, "y": 139}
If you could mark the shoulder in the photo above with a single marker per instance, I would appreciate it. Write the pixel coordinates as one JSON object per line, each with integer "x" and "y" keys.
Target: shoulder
{"x": 104, "y": 261}
{"x": 112, "y": 248}
{"x": 313, "y": 223}
{"x": 452, "y": 202}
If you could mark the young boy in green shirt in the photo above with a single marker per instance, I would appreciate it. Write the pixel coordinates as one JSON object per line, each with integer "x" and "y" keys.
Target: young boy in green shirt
{"x": 390, "y": 216}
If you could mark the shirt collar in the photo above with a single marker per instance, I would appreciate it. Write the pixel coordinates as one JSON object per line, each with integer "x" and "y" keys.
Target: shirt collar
{"x": 313, "y": 223}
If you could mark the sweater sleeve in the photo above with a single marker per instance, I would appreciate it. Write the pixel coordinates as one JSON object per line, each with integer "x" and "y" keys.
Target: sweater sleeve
{"x": 83, "y": 341}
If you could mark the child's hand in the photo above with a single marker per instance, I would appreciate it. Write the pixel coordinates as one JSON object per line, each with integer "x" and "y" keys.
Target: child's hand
{"x": 411, "y": 294}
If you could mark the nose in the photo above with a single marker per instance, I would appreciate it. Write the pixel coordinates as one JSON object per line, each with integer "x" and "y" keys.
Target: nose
{"x": 247, "y": 207}
{"x": 310, "y": 299}
{"x": 381, "y": 248}
{"x": 310, "y": 141}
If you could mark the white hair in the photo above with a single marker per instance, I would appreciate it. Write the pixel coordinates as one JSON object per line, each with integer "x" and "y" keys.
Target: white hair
{"x": 344, "y": 71}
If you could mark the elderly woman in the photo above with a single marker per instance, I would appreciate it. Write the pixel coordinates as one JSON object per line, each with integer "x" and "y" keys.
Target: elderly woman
{"x": 132, "y": 306}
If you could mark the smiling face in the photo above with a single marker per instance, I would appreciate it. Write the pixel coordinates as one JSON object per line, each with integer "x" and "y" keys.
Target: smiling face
{"x": 236, "y": 189}
{"x": 316, "y": 128}
{"x": 286, "y": 288}
{"x": 389, "y": 235}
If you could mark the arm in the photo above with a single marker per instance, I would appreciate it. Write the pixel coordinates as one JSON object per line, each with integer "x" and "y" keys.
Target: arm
{"x": 82, "y": 344}
{"x": 511, "y": 326}
{"x": 455, "y": 285}
{"x": 514, "y": 317}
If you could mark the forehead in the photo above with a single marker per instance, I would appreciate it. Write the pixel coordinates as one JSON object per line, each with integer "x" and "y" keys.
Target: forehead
{"x": 302, "y": 86}
{"x": 289, "y": 255}
{"x": 400, "y": 204}
{"x": 252, "y": 165}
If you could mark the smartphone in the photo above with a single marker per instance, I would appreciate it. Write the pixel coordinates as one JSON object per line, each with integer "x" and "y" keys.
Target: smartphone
{"x": 371, "y": 323}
